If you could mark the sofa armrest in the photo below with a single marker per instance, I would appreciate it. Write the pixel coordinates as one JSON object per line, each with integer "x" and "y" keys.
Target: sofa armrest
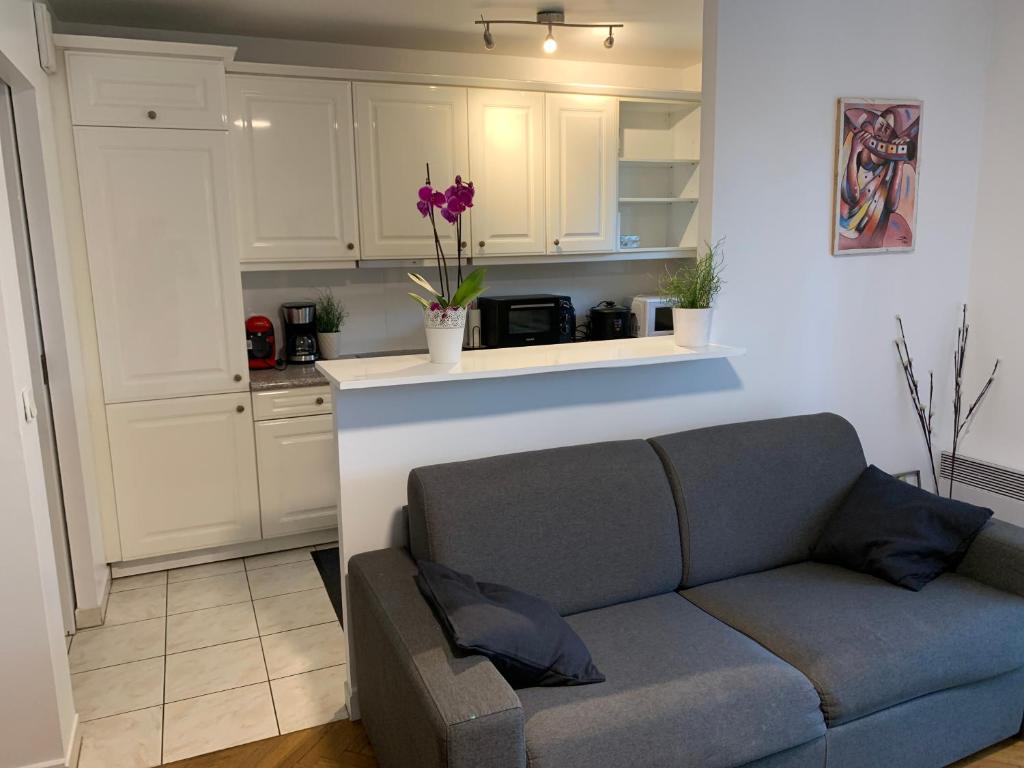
{"x": 996, "y": 557}
{"x": 423, "y": 706}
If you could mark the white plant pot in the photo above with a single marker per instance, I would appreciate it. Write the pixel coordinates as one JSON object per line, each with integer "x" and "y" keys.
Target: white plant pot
{"x": 691, "y": 327}
{"x": 330, "y": 345}
{"x": 445, "y": 334}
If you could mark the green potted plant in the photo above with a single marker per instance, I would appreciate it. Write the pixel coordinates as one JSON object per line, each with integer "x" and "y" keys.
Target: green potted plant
{"x": 691, "y": 290}
{"x": 330, "y": 317}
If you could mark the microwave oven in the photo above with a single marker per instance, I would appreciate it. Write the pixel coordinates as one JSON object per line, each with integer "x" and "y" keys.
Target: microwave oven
{"x": 517, "y": 321}
{"x": 653, "y": 315}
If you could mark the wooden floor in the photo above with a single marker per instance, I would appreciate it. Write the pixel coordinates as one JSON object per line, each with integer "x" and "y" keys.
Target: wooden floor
{"x": 344, "y": 745}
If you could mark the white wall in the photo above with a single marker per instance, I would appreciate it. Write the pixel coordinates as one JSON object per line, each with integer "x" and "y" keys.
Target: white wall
{"x": 36, "y": 711}
{"x": 997, "y": 264}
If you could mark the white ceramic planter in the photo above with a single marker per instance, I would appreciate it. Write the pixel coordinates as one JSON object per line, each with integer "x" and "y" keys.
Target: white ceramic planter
{"x": 691, "y": 327}
{"x": 445, "y": 334}
{"x": 330, "y": 345}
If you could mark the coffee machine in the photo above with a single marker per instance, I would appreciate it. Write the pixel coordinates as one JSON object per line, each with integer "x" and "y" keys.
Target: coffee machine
{"x": 299, "y": 331}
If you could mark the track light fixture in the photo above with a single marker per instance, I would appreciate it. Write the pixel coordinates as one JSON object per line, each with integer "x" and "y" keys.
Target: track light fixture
{"x": 549, "y": 19}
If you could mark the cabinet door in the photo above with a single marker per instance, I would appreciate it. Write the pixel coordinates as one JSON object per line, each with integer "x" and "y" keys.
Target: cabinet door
{"x": 165, "y": 277}
{"x": 184, "y": 473}
{"x": 582, "y": 141}
{"x": 298, "y": 471}
{"x": 294, "y": 169}
{"x": 506, "y": 160}
{"x": 399, "y": 129}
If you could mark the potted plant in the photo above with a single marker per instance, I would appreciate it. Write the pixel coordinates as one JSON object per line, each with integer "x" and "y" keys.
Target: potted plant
{"x": 692, "y": 290}
{"x": 330, "y": 317}
{"x": 444, "y": 311}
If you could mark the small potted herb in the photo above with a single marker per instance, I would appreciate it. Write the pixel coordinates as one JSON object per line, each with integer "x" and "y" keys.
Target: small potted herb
{"x": 330, "y": 317}
{"x": 692, "y": 290}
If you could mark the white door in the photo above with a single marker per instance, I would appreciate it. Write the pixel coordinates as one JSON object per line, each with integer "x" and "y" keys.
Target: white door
{"x": 294, "y": 169}
{"x": 298, "y": 471}
{"x": 399, "y": 129}
{"x": 506, "y": 160}
{"x": 184, "y": 473}
{"x": 582, "y": 149}
{"x": 165, "y": 277}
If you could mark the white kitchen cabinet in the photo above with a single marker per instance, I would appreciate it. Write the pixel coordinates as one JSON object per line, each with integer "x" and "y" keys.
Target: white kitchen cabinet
{"x": 292, "y": 149}
{"x": 146, "y": 91}
{"x": 506, "y": 162}
{"x": 298, "y": 471}
{"x": 582, "y": 164}
{"x": 164, "y": 270}
{"x": 184, "y": 473}
{"x": 399, "y": 129}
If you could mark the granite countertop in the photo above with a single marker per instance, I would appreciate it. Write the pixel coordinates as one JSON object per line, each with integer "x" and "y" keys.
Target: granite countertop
{"x": 306, "y": 375}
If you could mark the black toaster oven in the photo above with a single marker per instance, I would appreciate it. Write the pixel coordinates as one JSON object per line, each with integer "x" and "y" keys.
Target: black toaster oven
{"x": 517, "y": 321}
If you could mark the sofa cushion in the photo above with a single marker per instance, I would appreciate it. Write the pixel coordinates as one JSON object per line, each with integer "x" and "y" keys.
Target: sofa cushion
{"x": 682, "y": 690}
{"x": 756, "y": 495}
{"x": 867, "y": 644}
{"x": 581, "y": 527}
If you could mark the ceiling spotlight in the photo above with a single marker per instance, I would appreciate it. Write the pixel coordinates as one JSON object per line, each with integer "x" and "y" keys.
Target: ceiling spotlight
{"x": 610, "y": 40}
{"x": 488, "y": 38}
{"x": 550, "y": 44}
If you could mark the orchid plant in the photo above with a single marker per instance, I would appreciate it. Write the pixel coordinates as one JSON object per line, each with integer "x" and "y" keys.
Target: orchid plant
{"x": 451, "y": 204}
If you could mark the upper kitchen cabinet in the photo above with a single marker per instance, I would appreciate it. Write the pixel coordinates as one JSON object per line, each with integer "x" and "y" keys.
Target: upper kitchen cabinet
{"x": 294, "y": 170}
{"x": 399, "y": 129}
{"x": 582, "y": 152}
{"x": 146, "y": 91}
{"x": 506, "y": 162}
{"x": 162, "y": 261}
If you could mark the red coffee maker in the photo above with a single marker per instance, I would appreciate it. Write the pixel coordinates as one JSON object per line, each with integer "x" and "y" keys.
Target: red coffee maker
{"x": 259, "y": 339}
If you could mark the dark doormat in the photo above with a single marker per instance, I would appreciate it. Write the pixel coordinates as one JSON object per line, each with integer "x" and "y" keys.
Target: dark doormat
{"x": 328, "y": 562}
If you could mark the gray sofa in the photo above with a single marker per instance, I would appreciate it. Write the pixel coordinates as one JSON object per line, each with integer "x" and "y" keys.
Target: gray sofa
{"x": 682, "y": 562}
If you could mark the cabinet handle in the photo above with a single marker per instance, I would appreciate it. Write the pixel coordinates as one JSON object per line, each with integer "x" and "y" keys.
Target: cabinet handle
{"x": 462, "y": 244}
{"x": 319, "y": 401}
{"x": 556, "y": 241}
{"x": 238, "y": 377}
{"x": 151, "y": 115}
{"x": 240, "y": 408}
{"x": 351, "y": 246}
{"x": 482, "y": 243}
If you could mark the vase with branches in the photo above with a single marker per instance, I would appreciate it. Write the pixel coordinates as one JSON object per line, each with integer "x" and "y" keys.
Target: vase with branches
{"x": 926, "y": 413}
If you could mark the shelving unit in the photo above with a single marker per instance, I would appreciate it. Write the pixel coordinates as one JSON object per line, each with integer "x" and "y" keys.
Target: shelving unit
{"x": 659, "y": 173}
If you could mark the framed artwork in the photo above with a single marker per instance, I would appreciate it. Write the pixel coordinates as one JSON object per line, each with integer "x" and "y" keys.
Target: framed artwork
{"x": 877, "y": 171}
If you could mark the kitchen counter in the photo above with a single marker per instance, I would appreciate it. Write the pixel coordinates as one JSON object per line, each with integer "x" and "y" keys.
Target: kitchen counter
{"x": 298, "y": 375}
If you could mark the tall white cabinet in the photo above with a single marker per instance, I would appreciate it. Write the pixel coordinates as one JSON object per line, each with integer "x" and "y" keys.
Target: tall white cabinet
{"x": 399, "y": 129}
{"x": 294, "y": 170}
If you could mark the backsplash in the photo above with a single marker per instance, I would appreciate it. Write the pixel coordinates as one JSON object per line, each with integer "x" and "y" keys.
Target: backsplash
{"x": 382, "y": 317}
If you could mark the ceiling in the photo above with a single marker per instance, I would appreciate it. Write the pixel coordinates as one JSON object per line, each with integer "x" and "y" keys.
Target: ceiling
{"x": 657, "y": 32}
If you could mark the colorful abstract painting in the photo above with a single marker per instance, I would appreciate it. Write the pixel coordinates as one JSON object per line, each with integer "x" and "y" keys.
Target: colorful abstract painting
{"x": 877, "y": 174}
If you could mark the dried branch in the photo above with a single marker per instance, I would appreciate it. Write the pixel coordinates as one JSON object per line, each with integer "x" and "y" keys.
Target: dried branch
{"x": 924, "y": 416}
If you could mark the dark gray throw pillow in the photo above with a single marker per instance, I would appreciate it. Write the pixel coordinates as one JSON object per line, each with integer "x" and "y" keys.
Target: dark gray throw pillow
{"x": 522, "y": 635}
{"x": 898, "y": 532}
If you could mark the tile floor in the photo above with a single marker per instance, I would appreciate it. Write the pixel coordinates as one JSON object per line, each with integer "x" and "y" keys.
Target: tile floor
{"x": 197, "y": 659}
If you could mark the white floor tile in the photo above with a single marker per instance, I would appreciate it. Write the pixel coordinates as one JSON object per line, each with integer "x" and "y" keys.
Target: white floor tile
{"x": 271, "y": 559}
{"x": 301, "y": 609}
{"x": 205, "y": 570}
{"x": 157, "y": 579}
{"x": 131, "y": 740}
{"x": 303, "y": 650}
{"x": 210, "y": 626}
{"x": 283, "y": 579}
{"x": 217, "y": 721}
{"x": 194, "y": 595}
{"x": 109, "y": 645}
{"x": 218, "y": 668}
{"x": 313, "y": 698}
{"x": 136, "y": 605}
{"x": 114, "y": 690}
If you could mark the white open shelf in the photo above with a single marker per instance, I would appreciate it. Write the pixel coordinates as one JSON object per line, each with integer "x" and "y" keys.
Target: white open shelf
{"x": 652, "y": 200}
{"x": 658, "y": 161}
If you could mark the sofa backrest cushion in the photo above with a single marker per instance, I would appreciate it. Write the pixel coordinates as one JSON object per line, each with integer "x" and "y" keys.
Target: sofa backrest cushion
{"x": 756, "y": 495}
{"x": 582, "y": 527}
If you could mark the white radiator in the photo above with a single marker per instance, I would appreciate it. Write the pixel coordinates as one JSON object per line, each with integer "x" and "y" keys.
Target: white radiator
{"x": 1001, "y": 489}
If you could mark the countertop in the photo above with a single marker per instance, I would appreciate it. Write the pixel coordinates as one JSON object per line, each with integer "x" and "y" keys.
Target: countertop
{"x": 300, "y": 375}
{"x": 403, "y": 370}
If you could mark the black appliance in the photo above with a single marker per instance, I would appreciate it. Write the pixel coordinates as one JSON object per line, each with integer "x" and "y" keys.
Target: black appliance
{"x": 608, "y": 320}
{"x": 299, "y": 331}
{"x": 517, "y": 321}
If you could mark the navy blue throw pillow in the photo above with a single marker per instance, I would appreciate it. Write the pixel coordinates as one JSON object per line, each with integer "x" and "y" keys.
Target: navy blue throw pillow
{"x": 522, "y": 635}
{"x": 898, "y": 532}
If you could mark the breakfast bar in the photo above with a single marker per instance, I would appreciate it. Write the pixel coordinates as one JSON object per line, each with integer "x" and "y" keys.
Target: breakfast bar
{"x": 399, "y": 412}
